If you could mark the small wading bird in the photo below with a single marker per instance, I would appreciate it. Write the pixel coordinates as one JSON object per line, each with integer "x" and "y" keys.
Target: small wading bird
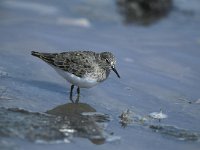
{"x": 83, "y": 69}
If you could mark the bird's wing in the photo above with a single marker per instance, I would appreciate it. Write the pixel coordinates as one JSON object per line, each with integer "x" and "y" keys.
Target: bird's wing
{"x": 77, "y": 63}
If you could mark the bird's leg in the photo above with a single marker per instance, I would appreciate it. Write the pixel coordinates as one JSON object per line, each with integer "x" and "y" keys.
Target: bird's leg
{"x": 71, "y": 93}
{"x": 78, "y": 90}
{"x": 78, "y": 94}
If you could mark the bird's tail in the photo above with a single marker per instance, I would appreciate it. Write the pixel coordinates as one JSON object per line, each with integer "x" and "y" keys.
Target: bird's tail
{"x": 47, "y": 57}
{"x": 37, "y": 54}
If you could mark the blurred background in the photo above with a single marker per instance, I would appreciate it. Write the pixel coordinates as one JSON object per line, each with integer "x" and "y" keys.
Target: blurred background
{"x": 157, "y": 47}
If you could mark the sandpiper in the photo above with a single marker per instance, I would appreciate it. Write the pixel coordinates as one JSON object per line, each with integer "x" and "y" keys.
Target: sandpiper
{"x": 83, "y": 69}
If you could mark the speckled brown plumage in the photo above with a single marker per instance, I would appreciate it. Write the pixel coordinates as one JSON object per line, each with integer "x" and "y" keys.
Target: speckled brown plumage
{"x": 81, "y": 63}
{"x": 83, "y": 69}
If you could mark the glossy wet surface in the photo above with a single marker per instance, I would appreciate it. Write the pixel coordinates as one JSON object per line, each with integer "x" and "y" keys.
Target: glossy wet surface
{"x": 158, "y": 63}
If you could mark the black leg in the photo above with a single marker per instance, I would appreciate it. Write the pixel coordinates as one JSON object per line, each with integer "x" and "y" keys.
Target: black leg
{"x": 78, "y": 94}
{"x": 71, "y": 93}
{"x": 78, "y": 90}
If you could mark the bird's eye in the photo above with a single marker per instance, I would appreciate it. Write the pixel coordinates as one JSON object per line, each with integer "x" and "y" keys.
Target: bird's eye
{"x": 107, "y": 60}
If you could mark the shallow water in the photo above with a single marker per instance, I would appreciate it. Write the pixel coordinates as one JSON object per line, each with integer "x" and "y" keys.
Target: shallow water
{"x": 158, "y": 64}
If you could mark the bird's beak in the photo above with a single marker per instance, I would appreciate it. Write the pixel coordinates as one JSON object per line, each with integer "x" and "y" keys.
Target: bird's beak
{"x": 113, "y": 68}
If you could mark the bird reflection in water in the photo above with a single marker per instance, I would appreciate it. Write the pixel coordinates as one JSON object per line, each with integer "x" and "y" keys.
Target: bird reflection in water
{"x": 82, "y": 120}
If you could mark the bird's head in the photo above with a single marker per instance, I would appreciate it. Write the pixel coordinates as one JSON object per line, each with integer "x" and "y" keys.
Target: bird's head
{"x": 109, "y": 61}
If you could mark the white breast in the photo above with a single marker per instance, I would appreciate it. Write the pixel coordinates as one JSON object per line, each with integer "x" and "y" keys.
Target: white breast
{"x": 75, "y": 80}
